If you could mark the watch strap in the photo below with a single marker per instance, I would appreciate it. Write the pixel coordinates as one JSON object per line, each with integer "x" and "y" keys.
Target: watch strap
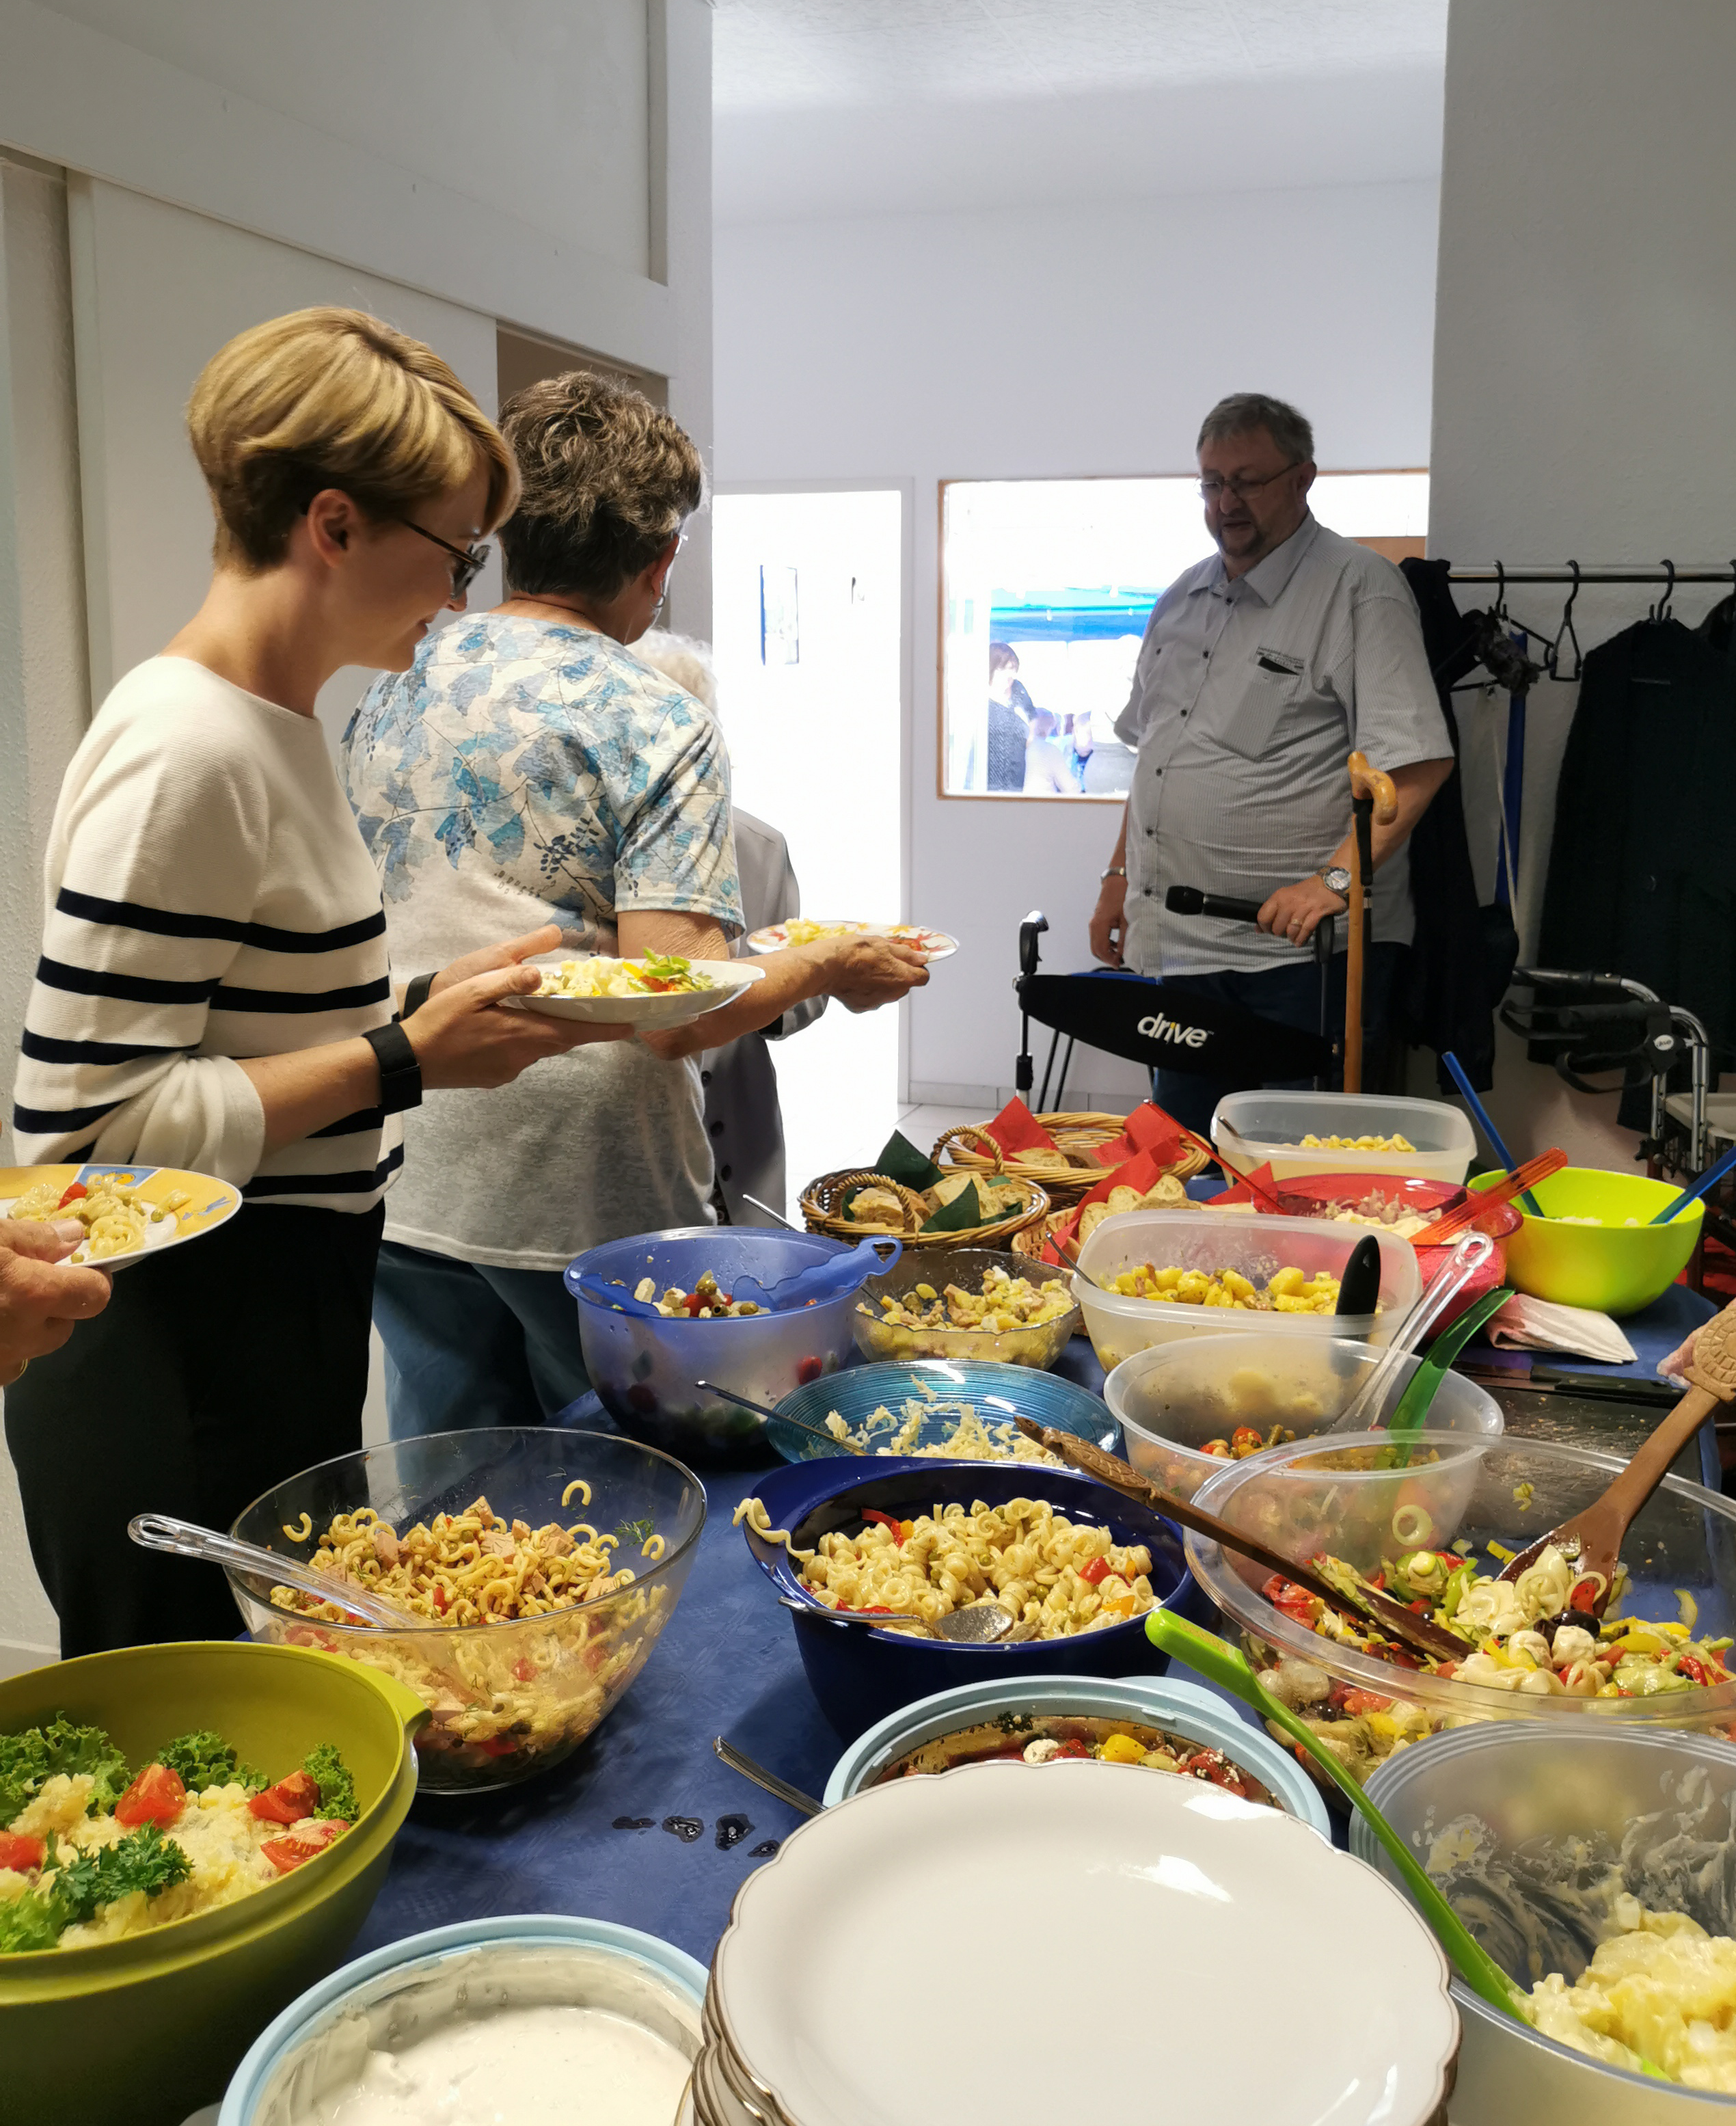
{"x": 415, "y": 993}
{"x": 400, "y": 1074}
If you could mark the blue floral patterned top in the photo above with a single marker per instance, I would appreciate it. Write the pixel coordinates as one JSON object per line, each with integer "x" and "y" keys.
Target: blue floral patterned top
{"x": 546, "y": 767}
{"x": 521, "y": 773}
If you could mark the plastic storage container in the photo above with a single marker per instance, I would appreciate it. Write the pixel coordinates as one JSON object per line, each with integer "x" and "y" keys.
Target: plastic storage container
{"x": 1251, "y": 1128}
{"x": 1166, "y": 1701}
{"x": 547, "y": 1957}
{"x": 643, "y": 1370}
{"x": 1172, "y": 1399}
{"x": 1255, "y": 1244}
{"x": 1561, "y": 1786}
{"x": 877, "y": 1338}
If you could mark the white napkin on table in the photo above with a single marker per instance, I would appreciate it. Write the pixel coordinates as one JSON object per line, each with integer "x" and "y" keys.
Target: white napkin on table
{"x": 1541, "y": 1324}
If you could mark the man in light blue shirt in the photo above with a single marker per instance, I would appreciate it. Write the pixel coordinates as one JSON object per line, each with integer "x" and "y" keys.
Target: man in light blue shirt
{"x": 1262, "y": 669}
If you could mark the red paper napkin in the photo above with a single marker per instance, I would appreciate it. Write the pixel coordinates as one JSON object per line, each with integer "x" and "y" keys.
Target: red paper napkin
{"x": 1147, "y": 1129}
{"x": 1239, "y": 1192}
{"x": 1141, "y": 1172}
{"x": 1015, "y": 1129}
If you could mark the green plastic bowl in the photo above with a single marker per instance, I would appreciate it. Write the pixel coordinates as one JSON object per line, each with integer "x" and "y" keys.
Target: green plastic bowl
{"x": 150, "y": 2028}
{"x": 1616, "y": 1267}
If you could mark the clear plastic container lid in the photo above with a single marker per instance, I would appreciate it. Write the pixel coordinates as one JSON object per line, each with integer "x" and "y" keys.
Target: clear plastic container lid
{"x": 1255, "y": 1244}
{"x": 1251, "y": 1128}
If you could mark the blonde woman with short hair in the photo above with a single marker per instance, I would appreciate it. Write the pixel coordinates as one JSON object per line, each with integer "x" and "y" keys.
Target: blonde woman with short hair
{"x": 214, "y": 990}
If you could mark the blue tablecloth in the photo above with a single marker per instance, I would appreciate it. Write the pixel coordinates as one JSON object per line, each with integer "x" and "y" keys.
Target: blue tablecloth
{"x": 645, "y": 1825}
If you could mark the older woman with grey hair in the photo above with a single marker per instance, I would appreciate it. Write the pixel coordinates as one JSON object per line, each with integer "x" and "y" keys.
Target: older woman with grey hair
{"x": 529, "y": 761}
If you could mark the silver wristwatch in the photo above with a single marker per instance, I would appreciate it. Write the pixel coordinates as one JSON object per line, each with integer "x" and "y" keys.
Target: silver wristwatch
{"x": 1336, "y": 879}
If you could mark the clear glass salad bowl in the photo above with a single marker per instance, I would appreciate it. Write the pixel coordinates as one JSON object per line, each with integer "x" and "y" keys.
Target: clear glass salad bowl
{"x": 513, "y": 1698}
{"x": 1680, "y": 1554}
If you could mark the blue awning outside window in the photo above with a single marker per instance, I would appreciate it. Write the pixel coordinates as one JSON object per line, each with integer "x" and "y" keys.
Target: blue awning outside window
{"x": 1071, "y": 613}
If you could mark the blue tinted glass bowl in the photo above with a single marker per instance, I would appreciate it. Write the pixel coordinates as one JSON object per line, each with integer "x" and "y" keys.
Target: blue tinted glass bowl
{"x": 859, "y": 1676}
{"x": 643, "y": 1370}
{"x": 998, "y": 1392}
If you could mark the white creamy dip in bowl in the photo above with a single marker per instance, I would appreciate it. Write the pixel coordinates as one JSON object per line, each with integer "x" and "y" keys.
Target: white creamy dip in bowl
{"x": 530, "y": 2019}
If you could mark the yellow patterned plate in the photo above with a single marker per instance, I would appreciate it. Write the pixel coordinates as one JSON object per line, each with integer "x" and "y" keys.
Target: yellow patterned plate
{"x": 210, "y": 1203}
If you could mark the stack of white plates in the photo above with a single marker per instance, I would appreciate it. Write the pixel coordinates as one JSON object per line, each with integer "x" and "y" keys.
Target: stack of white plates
{"x": 1009, "y": 1945}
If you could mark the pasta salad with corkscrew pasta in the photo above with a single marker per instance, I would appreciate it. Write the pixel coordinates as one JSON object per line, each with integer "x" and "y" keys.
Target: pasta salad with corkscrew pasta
{"x": 1058, "y": 1577}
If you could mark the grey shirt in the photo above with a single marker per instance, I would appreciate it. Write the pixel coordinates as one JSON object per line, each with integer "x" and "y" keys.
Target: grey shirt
{"x": 1248, "y": 698}
{"x": 742, "y": 1118}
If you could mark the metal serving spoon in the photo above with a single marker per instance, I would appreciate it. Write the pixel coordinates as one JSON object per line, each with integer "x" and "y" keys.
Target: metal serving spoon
{"x": 188, "y": 1539}
{"x": 738, "y": 1760}
{"x": 980, "y": 1625}
{"x": 765, "y": 1409}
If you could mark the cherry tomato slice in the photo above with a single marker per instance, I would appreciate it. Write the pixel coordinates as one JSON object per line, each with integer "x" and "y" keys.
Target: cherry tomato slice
{"x": 18, "y": 1851}
{"x": 289, "y": 1801}
{"x": 156, "y": 1796}
{"x": 72, "y": 1195}
{"x": 302, "y": 1843}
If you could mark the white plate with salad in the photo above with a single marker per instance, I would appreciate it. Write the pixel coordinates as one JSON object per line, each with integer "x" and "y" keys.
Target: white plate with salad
{"x": 650, "y": 994}
{"x": 810, "y": 930}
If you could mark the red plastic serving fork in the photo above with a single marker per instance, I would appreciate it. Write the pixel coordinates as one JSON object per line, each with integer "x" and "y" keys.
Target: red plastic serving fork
{"x": 1451, "y": 1223}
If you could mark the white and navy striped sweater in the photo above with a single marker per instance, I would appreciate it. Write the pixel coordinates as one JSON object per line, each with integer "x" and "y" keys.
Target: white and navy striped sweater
{"x": 208, "y": 897}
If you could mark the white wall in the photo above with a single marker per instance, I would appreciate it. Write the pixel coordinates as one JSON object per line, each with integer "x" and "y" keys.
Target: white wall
{"x": 1584, "y": 324}
{"x": 1086, "y": 339}
{"x": 543, "y": 163}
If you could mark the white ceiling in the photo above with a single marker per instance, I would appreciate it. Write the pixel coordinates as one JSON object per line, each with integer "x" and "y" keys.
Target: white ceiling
{"x": 858, "y": 106}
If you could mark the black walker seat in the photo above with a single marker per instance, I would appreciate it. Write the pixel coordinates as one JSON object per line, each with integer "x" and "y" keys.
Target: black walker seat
{"x": 1133, "y": 1016}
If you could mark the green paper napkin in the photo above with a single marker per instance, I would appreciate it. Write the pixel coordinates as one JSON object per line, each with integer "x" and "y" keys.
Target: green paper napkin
{"x": 963, "y": 1211}
{"x": 901, "y": 1161}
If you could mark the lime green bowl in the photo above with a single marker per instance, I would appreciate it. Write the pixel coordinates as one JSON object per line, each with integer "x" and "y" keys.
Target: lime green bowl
{"x": 149, "y": 2027}
{"x": 1614, "y": 1267}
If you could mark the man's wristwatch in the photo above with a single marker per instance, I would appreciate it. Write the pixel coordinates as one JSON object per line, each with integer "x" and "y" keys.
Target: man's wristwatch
{"x": 400, "y": 1074}
{"x": 1335, "y": 880}
{"x": 1115, "y": 870}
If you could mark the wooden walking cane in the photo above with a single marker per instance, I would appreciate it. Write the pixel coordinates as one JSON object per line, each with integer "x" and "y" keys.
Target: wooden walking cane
{"x": 1373, "y": 796}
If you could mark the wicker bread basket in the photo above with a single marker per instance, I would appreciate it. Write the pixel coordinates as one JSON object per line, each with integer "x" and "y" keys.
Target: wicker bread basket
{"x": 968, "y": 1149}
{"x": 822, "y": 1201}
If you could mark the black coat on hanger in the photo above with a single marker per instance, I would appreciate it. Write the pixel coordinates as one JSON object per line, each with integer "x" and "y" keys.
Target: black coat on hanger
{"x": 1462, "y": 957}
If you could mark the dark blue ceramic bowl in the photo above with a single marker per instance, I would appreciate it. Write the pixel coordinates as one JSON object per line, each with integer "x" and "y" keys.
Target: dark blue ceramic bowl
{"x": 858, "y": 1675}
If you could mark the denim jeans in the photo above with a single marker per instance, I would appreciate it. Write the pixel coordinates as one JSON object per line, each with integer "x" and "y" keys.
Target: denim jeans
{"x": 469, "y": 1345}
{"x": 1291, "y": 997}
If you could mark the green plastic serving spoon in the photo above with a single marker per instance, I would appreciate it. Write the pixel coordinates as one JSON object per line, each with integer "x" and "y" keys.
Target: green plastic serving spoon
{"x": 1412, "y": 1406}
{"x": 1221, "y": 1664}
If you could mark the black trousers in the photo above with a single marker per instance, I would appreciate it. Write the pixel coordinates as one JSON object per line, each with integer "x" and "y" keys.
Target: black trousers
{"x": 215, "y": 1370}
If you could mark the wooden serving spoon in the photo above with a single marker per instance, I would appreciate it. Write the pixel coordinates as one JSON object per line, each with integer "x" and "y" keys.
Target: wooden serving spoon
{"x": 1593, "y": 1538}
{"x": 1421, "y": 1635}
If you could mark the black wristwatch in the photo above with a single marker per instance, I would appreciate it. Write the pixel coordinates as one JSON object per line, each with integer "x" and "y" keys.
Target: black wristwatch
{"x": 400, "y": 1074}
{"x": 415, "y": 993}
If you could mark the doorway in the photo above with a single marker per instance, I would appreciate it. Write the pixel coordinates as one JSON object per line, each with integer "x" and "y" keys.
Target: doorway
{"x": 809, "y": 638}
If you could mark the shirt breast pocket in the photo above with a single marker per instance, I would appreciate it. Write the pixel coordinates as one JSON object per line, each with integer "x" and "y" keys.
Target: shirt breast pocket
{"x": 1269, "y": 683}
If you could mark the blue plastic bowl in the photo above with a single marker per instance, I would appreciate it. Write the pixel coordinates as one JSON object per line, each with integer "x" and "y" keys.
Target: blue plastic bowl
{"x": 859, "y": 1675}
{"x": 998, "y": 1392}
{"x": 372, "y": 1981}
{"x": 1167, "y": 1702}
{"x": 643, "y": 1370}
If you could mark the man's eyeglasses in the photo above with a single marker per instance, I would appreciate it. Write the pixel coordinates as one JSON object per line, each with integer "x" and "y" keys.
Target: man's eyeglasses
{"x": 468, "y": 562}
{"x": 1211, "y": 487}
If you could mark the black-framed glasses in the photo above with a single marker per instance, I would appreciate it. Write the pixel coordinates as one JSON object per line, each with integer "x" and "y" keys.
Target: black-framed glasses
{"x": 1211, "y": 487}
{"x": 468, "y": 562}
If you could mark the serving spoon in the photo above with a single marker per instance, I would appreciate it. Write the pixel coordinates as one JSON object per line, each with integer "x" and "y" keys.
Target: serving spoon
{"x": 1592, "y": 1538}
{"x": 188, "y": 1539}
{"x": 1421, "y": 1634}
{"x": 979, "y": 1625}
{"x": 766, "y": 1410}
{"x": 738, "y": 1760}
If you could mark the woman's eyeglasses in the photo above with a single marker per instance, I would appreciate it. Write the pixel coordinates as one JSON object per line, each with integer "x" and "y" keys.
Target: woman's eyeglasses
{"x": 468, "y": 562}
